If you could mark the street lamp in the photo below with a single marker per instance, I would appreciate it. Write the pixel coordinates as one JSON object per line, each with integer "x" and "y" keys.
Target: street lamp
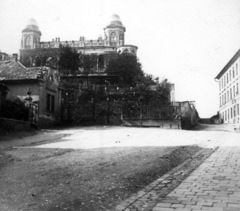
{"x": 28, "y": 99}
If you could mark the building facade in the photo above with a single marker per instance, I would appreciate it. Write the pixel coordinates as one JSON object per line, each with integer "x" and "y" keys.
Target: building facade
{"x": 37, "y": 86}
{"x": 229, "y": 85}
{"x": 35, "y": 51}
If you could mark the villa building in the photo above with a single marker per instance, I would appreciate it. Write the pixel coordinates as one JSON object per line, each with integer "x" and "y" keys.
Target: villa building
{"x": 34, "y": 52}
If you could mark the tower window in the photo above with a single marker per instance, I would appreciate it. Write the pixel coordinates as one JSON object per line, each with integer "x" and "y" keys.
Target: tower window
{"x": 113, "y": 39}
{"x": 27, "y": 41}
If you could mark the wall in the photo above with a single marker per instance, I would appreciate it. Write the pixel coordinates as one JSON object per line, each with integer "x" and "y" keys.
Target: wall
{"x": 189, "y": 115}
{"x": 166, "y": 124}
{"x": 229, "y": 93}
{"x": 21, "y": 88}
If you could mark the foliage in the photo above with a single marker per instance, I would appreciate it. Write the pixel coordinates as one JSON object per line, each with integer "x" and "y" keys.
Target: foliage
{"x": 38, "y": 57}
{"x": 126, "y": 66}
{"x": 68, "y": 60}
{"x": 15, "y": 109}
{"x": 89, "y": 62}
{"x": 132, "y": 89}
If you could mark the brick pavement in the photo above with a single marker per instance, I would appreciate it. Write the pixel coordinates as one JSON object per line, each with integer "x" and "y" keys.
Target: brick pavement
{"x": 213, "y": 186}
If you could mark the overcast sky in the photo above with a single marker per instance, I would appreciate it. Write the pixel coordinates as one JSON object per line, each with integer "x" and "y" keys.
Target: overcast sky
{"x": 186, "y": 41}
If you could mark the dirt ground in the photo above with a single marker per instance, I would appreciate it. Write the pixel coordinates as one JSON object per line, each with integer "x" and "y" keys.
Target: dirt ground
{"x": 93, "y": 168}
{"x": 81, "y": 179}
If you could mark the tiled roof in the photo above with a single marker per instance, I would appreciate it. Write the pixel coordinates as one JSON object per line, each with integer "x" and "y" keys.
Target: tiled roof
{"x": 14, "y": 70}
{"x": 232, "y": 60}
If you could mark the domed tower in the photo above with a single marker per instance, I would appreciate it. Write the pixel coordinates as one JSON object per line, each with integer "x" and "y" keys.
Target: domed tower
{"x": 114, "y": 32}
{"x": 31, "y": 35}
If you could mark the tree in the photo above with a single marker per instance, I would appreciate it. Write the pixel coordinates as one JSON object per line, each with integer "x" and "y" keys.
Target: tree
{"x": 126, "y": 66}
{"x": 68, "y": 60}
{"x": 89, "y": 62}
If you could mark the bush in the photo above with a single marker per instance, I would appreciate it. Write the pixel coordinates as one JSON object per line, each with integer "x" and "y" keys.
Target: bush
{"x": 15, "y": 109}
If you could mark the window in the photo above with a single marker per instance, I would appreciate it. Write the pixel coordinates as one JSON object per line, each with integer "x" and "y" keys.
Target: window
{"x": 227, "y": 95}
{"x": 50, "y": 103}
{"x": 233, "y": 73}
{"x": 231, "y": 113}
{"x": 230, "y": 94}
{"x": 237, "y": 109}
{"x": 228, "y": 114}
{"x": 237, "y": 89}
{"x": 233, "y": 91}
{"x": 101, "y": 61}
{"x": 27, "y": 41}
{"x": 113, "y": 39}
{"x": 227, "y": 77}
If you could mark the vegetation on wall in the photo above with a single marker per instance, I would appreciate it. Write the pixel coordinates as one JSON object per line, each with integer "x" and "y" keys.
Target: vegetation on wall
{"x": 38, "y": 57}
{"x": 68, "y": 60}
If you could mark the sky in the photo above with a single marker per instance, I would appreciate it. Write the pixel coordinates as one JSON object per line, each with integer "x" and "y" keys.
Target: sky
{"x": 186, "y": 41}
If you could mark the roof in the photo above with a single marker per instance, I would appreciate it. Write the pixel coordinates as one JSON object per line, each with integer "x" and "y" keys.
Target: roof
{"x": 115, "y": 22}
{"x": 14, "y": 70}
{"x": 232, "y": 60}
{"x": 32, "y": 26}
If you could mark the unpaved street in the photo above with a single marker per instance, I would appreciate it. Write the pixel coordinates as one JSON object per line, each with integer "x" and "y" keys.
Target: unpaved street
{"x": 93, "y": 168}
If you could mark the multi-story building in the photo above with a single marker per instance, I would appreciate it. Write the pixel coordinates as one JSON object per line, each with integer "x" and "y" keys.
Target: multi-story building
{"x": 34, "y": 52}
{"x": 229, "y": 85}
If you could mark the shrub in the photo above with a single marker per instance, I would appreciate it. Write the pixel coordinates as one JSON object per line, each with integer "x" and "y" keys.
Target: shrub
{"x": 15, "y": 109}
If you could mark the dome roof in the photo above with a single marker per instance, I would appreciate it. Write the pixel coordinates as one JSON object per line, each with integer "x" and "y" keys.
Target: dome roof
{"x": 115, "y": 17}
{"x": 32, "y": 22}
{"x": 115, "y": 20}
{"x": 32, "y": 25}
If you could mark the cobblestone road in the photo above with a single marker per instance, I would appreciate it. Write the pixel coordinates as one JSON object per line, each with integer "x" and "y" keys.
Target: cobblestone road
{"x": 215, "y": 185}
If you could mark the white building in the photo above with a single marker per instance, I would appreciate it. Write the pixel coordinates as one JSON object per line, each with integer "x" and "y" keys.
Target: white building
{"x": 229, "y": 85}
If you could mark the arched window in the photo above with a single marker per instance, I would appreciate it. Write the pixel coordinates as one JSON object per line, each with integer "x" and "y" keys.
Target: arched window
{"x": 113, "y": 39}
{"x": 27, "y": 41}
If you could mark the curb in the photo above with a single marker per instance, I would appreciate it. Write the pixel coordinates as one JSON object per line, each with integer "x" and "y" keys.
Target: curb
{"x": 149, "y": 196}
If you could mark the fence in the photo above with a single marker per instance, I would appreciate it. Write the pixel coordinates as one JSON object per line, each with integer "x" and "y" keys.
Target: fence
{"x": 12, "y": 125}
{"x": 152, "y": 116}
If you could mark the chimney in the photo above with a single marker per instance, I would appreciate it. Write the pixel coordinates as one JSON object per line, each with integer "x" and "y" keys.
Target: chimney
{"x": 15, "y": 57}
